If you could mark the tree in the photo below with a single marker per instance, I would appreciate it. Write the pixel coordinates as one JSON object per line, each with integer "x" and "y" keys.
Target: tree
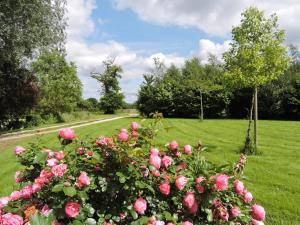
{"x": 60, "y": 87}
{"x": 256, "y": 56}
{"x": 112, "y": 98}
{"x": 26, "y": 28}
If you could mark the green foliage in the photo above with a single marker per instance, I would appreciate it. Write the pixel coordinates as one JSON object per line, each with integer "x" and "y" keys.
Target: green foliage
{"x": 177, "y": 92}
{"x": 27, "y": 27}
{"x": 257, "y": 54}
{"x": 112, "y": 98}
{"x": 61, "y": 89}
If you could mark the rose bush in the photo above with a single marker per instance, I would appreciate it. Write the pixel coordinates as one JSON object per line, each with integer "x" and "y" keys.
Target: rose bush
{"x": 125, "y": 180}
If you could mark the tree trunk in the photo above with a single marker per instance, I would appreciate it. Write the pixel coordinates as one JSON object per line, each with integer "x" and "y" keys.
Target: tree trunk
{"x": 255, "y": 119}
{"x": 201, "y": 106}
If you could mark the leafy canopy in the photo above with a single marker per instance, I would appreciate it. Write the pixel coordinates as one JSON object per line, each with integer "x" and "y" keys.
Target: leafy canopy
{"x": 257, "y": 54}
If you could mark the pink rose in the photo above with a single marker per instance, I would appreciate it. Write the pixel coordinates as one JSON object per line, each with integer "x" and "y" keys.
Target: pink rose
{"x": 123, "y": 130}
{"x": 235, "y": 211}
{"x": 159, "y": 222}
{"x": 194, "y": 208}
{"x": 11, "y": 219}
{"x": 140, "y": 205}
{"x": 52, "y": 162}
{"x": 134, "y": 134}
{"x": 67, "y": 134}
{"x": 36, "y": 187}
{"x": 247, "y": 197}
{"x": 223, "y": 214}
{"x": 15, "y": 195}
{"x": 60, "y": 155}
{"x": 187, "y": 223}
{"x": 83, "y": 180}
{"x": 18, "y": 177}
{"x": 170, "y": 223}
{"x": 167, "y": 161}
{"x": 155, "y": 161}
{"x": 59, "y": 170}
{"x": 19, "y": 150}
{"x": 180, "y": 182}
{"x": 221, "y": 182}
{"x": 156, "y": 173}
{"x": 238, "y": 187}
{"x": 154, "y": 151}
{"x": 45, "y": 210}
{"x": 189, "y": 199}
{"x": 49, "y": 152}
{"x": 217, "y": 203}
{"x": 123, "y": 136}
{"x": 27, "y": 191}
{"x": 72, "y": 209}
{"x": 258, "y": 212}
{"x": 173, "y": 145}
{"x": 187, "y": 149}
{"x": 199, "y": 187}
{"x": 4, "y": 201}
{"x": 165, "y": 188}
{"x": 178, "y": 154}
{"x": 134, "y": 126}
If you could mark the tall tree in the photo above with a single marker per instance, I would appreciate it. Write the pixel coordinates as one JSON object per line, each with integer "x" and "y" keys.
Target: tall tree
{"x": 26, "y": 28}
{"x": 257, "y": 55}
{"x": 112, "y": 98}
{"x": 61, "y": 89}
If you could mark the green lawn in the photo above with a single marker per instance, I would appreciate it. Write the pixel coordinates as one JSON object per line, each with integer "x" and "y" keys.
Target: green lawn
{"x": 273, "y": 177}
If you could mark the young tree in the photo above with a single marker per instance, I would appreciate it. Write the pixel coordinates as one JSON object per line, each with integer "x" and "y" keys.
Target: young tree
{"x": 112, "y": 98}
{"x": 26, "y": 28}
{"x": 256, "y": 55}
{"x": 61, "y": 89}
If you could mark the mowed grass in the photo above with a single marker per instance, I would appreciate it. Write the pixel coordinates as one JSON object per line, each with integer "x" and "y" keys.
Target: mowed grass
{"x": 273, "y": 177}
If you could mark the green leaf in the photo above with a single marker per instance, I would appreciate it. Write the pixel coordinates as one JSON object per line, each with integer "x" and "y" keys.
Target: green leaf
{"x": 57, "y": 188}
{"x": 38, "y": 219}
{"x": 134, "y": 214}
{"x": 70, "y": 191}
{"x": 40, "y": 158}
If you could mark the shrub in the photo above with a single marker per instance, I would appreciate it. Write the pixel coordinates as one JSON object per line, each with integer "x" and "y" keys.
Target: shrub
{"x": 125, "y": 180}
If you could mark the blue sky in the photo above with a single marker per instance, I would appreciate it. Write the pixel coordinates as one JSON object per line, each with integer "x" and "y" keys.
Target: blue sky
{"x": 135, "y": 31}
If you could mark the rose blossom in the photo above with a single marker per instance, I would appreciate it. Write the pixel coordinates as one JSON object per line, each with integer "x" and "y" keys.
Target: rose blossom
{"x": 247, "y": 197}
{"x": 156, "y": 173}
{"x": 59, "y": 170}
{"x": 187, "y": 149}
{"x": 223, "y": 214}
{"x": 235, "y": 211}
{"x": 189, "y": 199}
{"x": 199, "y": 187}
{"x": 72, "y": 209}
{"x": 258, "y": 212}
{"x": 67, "y": 133}
{"x": 15, "y": 195}
{"x": 159, "y": 222}
{"x": 123, "y": 136}
{"x": 27, "y": 191}
{"x": 170, "y": 223}
{"x": 19, "y": 150}
{"x": 18, "y": 177}
{"x": 155, "y": 161}
{"x": 45, "y": 210}
{"x": 194, "y": 208}
{"x": 167, "y": 161}
{"x": 4, "y": 201}
{"x": 173, "y": 145}
{"x": 221, "y": 182}
{"x": 36, "y": 187}
{"x": 60, "y": 155}
{"x": 123, "y": 130}
{"x": 165, "y": 188}
{"x": 238, "y": 187}
{"x": 154, "y": 151}
{"x": 134, "y": 126}
{"x": 83, "y": 180}
{"x": 187, "y": 223}
{"x": 140, "y": 205}
{"x": 11, "y": 219}
{"x": 52, "y": 162}
{"x": 180, "y": 182}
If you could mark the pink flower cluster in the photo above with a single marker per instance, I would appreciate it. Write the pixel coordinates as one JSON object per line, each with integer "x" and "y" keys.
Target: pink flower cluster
{"x": 67, "y": 134}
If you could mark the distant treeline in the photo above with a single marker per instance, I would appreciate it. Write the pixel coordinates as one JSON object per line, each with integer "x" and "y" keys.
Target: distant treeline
{"x": 177, "y": 92}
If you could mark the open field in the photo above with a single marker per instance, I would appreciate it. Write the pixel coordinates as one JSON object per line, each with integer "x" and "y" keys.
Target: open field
{"x": 273, "y": 177}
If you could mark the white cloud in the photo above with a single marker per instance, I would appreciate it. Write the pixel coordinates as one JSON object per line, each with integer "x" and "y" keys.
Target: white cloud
{"x": 207, "y": 47}
{"x": 213, "y": 17}
{"x": 89, "y": 57}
